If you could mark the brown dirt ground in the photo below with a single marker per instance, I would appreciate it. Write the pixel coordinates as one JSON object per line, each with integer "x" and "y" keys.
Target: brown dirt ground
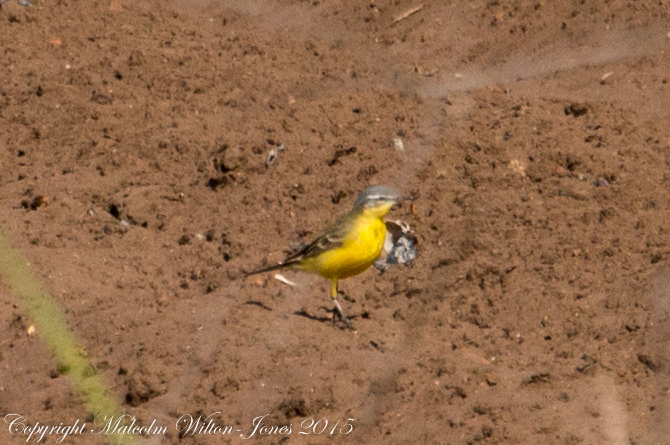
{"x": 536, "y": 140}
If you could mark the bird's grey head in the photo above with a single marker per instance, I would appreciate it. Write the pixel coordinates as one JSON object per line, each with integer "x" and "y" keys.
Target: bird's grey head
{"x": 375, "y": 195}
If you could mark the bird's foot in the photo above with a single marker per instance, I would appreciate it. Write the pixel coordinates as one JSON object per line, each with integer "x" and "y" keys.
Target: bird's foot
{"x": 340, "y": 313}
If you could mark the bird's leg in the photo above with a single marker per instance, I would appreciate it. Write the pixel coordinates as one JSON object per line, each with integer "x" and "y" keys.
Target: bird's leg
{"x": 338, "y": 309}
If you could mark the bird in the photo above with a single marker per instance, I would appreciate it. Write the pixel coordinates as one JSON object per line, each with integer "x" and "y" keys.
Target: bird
{"x": 347, "y": 247}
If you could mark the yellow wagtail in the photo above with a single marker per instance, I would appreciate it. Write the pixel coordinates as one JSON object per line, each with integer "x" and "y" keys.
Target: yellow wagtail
{"x": 348, "y": 246}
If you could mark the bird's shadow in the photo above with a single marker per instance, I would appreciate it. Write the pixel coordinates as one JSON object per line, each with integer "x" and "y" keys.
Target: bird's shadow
{"x": 303, "y": 313}
{"x": 257, "y": 303}
{"x": 324, "y": 319}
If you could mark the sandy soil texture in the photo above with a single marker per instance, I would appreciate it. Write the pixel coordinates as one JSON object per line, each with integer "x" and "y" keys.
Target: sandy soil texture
{"x": 133, "y": 145}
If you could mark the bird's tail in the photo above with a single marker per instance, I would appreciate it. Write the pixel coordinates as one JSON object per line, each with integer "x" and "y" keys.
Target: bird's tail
{"x": 280, "y": 266}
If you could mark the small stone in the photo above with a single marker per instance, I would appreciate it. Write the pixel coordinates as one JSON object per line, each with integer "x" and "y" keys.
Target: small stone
{"x": 491, "y": 379}
{"x": 601, "y": 182}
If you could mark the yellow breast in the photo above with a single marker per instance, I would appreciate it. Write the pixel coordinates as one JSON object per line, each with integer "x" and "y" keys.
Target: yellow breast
{"x": 359, "y": 250}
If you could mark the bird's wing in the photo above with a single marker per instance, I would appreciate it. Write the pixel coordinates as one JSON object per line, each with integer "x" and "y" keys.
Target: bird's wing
{"x": 332, "y": 238}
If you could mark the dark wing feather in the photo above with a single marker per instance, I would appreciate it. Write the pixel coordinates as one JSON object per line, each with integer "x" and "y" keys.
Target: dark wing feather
{"x": 332, "y": 238}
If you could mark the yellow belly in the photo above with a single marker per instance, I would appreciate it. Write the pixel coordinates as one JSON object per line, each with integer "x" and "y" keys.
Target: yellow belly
{"x": 359, "y": 250}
